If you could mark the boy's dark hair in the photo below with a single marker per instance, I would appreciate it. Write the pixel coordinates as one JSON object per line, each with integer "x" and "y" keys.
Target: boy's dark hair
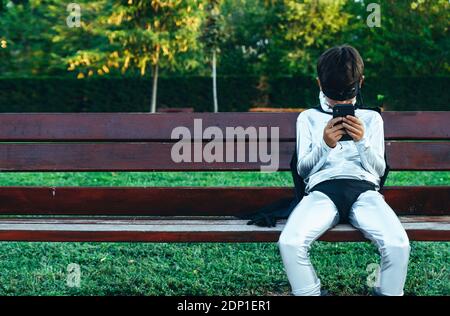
{"x": 340, "y": 70}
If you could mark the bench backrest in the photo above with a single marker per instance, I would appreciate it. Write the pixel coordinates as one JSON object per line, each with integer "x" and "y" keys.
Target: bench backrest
{"x": 142, "y": 142}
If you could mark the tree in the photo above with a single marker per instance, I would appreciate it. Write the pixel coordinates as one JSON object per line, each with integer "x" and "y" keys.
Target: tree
{"x": 212, "y": 36}
{"x": 25, "y": 36}
{"x": 412, "y": 39}
{"x": 246, "y": 23}
{"x": 266, "y": 38}
{"x": 309, "y": 27}
{"x": 142, "y": 34}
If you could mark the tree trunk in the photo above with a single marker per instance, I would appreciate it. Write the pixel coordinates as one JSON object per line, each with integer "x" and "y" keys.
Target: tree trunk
{"x": 155, "y": 88}
{"x": 214, "y": 75}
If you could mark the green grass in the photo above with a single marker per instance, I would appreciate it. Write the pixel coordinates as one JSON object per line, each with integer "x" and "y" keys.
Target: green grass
{"x": 192, "y": 178}
{"x": 201, "y": 268}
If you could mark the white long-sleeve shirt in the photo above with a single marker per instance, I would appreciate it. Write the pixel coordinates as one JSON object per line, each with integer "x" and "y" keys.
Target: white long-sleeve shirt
{"x": 317, "y": 162}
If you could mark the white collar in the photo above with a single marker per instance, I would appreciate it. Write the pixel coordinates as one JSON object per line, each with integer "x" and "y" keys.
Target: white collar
{"x": 324, "y": 104}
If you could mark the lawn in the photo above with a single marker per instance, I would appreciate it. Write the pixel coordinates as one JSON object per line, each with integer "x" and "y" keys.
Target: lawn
{"x": 201, "y": 268}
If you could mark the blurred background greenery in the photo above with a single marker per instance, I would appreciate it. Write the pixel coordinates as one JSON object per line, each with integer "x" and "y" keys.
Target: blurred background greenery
{"x": 126, "y": 51}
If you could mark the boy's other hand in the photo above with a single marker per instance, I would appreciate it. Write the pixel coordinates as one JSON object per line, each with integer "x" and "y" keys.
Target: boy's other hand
{"x": 333, "y": 131}
{"x": 354, "y": 127}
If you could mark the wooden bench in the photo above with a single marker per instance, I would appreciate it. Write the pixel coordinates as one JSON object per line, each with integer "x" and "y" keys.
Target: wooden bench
{"x": 142, "y": 142}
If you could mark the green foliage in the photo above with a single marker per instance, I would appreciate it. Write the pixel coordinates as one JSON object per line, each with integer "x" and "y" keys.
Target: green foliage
{"x": 412, "y": 40}
{"x": 257, "y": 37}
{"x": 136, "y": 34}
{"x": 212, "y": 31}
{"x": 310, "y": 27}
{"x": 26, "y": 31}
{"x": 253, "y": 45}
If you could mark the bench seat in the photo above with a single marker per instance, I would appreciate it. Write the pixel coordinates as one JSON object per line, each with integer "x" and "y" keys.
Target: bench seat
{"x": 189, "y": 229}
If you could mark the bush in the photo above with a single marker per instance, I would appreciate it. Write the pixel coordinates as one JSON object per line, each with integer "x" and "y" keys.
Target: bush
{"x": 235, "y": 93}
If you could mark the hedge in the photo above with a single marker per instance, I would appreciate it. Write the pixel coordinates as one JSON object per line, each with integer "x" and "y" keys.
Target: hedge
{"x": 234, "y": 93}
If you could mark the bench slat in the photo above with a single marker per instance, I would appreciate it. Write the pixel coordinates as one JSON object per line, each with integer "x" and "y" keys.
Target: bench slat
{"x": 423, "y": 228}
{"x": 157, "y": 157}
{"x": 190, "y": 201}
{"x": 145, "y": 126}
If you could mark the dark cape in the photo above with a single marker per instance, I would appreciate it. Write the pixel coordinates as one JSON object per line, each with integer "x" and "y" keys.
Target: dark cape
{"x": 281, "y": 209}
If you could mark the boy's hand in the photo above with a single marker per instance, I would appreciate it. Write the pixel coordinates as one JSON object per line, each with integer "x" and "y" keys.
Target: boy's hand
{"x": 354, "y": 127}
{"x": 333, "y": 133}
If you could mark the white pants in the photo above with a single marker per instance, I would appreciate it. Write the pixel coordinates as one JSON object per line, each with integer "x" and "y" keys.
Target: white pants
{"x": 316, "y": 213}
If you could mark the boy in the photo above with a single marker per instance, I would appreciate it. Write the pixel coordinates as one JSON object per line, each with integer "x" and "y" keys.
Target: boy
{"x": 342, "y": 180}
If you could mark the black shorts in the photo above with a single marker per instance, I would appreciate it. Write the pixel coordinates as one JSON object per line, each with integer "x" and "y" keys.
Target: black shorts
{"x": 343, "y": 193}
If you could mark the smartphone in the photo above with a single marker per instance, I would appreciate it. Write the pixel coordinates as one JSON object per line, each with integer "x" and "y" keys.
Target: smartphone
{"x": 341, "y": 110}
